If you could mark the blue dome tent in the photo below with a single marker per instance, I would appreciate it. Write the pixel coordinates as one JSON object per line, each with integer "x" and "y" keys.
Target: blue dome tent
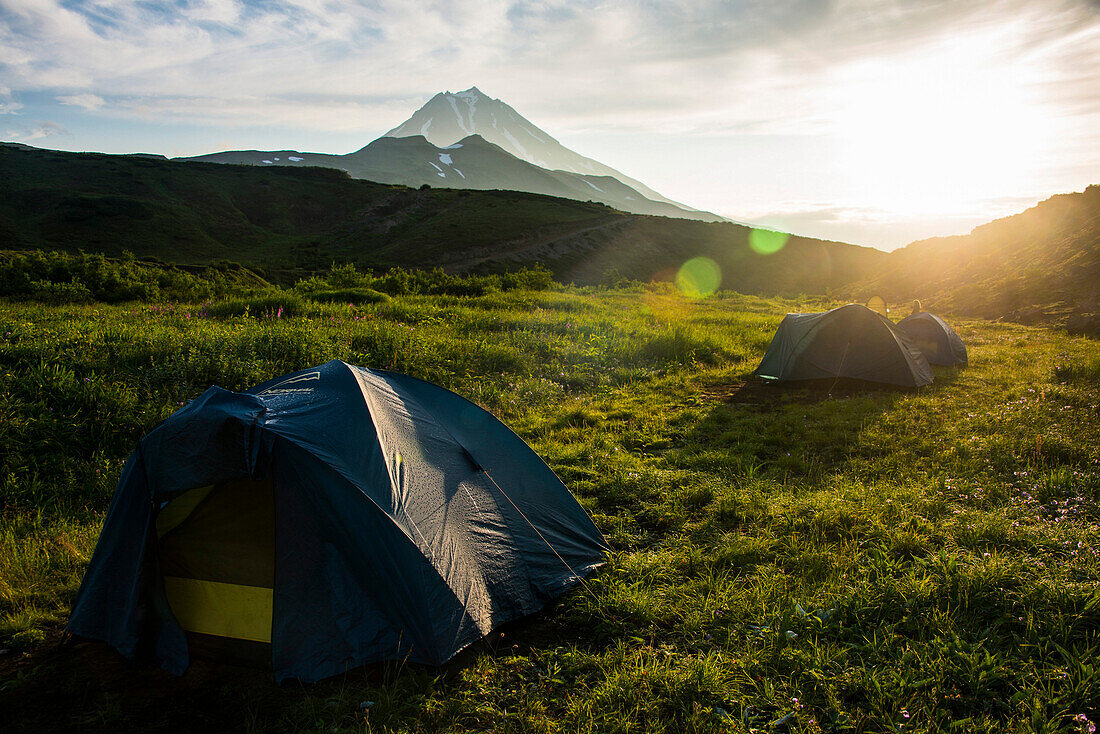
{"x": 330, "y": 518}
{"x": 937, "y": 341}
{"x": 851, "y": 342}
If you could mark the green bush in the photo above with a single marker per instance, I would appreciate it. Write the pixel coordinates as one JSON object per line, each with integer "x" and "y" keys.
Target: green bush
{"x": 357, "y": 296}
{"x": 28, "y": 638}
{"x": 400, "y": 282}
{"x": 534, "y": 279}
{"x": 59, "y": 277}
{"x": 347, "y": 276}
{"x": 1083, "y": 372}
{"x": 58, "y": 293}
{"x": 271, "y": 305}
{"x": 312, "y": 284}
{"x": 677, "y": 345}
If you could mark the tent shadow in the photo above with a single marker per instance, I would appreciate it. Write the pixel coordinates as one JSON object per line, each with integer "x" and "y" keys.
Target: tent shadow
{"x": 784, "y": 431}
{"x": 945, "y": 376}
{"x": 86, "y": 685}
{"x": 768, "y": 395}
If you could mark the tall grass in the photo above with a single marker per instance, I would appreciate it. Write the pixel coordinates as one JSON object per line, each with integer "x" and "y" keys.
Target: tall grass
{"x": 871, "y": 561}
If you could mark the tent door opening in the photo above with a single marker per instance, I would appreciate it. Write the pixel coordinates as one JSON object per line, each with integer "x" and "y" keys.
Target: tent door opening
{"x": 216, "y": 547}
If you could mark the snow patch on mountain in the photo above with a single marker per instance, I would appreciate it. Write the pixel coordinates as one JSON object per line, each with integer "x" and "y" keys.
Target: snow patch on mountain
{"x": 445, "y": 158}
{"x": 443, "y": 121}
{"x": 513, "y": 141}
{"x": 294, "y": 158}
{"x": 594, "y": 185}
{"x": 435, "y": 167}
{"x": 461, "y": 122}
{"x": 470, "y": 97}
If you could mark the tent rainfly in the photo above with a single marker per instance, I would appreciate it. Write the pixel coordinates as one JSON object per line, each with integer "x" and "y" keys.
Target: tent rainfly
{"x": 327, "y": 519}
{"x": 937, "y": 341}
{"x": 852, "y": 342}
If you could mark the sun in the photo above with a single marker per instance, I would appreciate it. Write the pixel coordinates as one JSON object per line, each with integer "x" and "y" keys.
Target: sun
{"x": 925, "y": 133}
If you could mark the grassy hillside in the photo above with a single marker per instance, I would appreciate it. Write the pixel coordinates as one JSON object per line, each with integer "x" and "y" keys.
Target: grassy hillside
{"x": 291, "y": 221}
{"x": 471, "y": 163}
{"x": 868, "y": 561}
{"x": 1044, "y": 262}
{"x": 277, "y": 218}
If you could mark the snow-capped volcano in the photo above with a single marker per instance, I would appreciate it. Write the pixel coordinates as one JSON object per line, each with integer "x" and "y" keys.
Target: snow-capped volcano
{"x": 451, "y": 116}
{"x": 470, "y": 141}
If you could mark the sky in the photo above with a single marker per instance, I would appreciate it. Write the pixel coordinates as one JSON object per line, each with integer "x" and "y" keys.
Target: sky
{"x": 876, "y": 122}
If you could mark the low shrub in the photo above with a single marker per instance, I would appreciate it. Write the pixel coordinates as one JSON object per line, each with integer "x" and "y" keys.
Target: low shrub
{"x": 1084, "y": 372}
{"x": 270, "y": 305}
{"x": 400, "y": 282}
{"x": 357, "y": 296}
{"x": 58, "y": 277}
{"x": 56, "y": 294}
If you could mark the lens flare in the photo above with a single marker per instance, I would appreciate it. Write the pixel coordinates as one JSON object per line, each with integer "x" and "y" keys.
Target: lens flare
{"x": 699, "y": 277}
{"x": 767, "y": 241}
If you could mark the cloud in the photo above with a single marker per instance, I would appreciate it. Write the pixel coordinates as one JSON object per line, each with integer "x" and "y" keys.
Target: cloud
{"x": 687, "y": 66}
{"x": 90, "y": 102}
{"x": 740, "y": 70}
{"x": 221, "y": 12}
{"x": 335, "y": 114}
{"x": 40, "y": 129}
{"x": 8, "y": 105}
{"x": 883, "y": 228}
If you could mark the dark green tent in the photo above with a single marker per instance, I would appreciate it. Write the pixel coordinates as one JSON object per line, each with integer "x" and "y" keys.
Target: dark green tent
{"x": 851, "y": 342}
{"x": 937, "y": 341}
{"x": 330, "y": 518}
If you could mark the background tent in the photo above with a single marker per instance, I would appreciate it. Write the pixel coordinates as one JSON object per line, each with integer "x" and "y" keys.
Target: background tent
{"x": 937, "y": 341}
{"x": 330, "y": 518}
{"x": 851, "y": 341}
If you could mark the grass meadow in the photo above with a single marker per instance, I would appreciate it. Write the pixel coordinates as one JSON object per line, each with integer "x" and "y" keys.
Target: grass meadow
{"x": 783, "y": 559}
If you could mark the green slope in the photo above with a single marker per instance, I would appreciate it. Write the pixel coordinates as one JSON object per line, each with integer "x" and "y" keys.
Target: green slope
{"x": 277, "y": 217}
{"x": 471, "y": 163}
{"x": 1041, "y": 264}
{"x": 289, "y": 220}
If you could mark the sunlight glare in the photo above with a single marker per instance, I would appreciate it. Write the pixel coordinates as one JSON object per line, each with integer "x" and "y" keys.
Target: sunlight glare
{"x": 767, "y": 241}
{"x": 699, "y": 277}
{"x": 922, "y": 133}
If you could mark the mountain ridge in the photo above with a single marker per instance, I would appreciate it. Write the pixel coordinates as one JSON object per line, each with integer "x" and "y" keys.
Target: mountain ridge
{"x": 1040, "y": 264}
{"x": 517, "y": 156}
{"x": 470, "y": 163}
{"x": 290, "y": 221}
{"x": 523, "y": 139}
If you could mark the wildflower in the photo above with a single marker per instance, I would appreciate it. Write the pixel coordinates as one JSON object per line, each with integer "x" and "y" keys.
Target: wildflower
{"x": 905, "y": 713}
{"x": 796, "y": 704}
